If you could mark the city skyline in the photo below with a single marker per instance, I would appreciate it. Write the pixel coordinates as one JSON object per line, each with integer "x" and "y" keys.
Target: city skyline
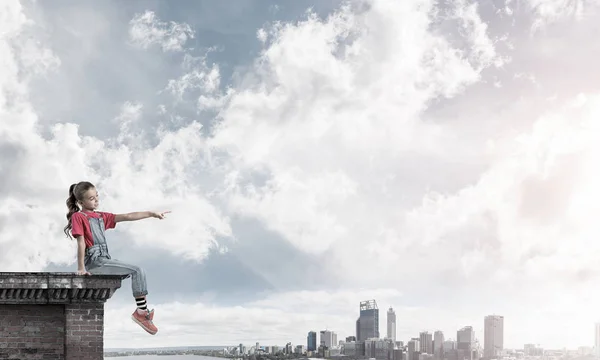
{"x": 440, "y": 157}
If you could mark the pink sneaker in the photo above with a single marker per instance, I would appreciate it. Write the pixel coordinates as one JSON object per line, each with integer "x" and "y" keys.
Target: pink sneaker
{"x": 145, "y": 321}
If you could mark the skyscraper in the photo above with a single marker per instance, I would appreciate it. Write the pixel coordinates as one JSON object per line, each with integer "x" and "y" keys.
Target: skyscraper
{"x": 465, "y": 341}
{"x": 328, "y": 338}
{"x": 311, "y": 341}
{"x": 412, "y": 347}
{"x": 438, "y": 343}
{"x": 597, "y": 342}
{"x": 391, "y": 324}
{"x": 426, "y": 342}
{"x": 493, "y": 336}
{"x": 367, "y": 325}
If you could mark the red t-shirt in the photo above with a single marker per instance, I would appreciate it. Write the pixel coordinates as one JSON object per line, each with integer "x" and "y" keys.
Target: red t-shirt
{"x": 81, "y": 225}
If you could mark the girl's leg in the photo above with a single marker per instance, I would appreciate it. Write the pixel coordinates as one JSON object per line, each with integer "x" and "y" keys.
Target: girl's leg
{"x": 117, "y": 267}
{"x": 141, "y": 316}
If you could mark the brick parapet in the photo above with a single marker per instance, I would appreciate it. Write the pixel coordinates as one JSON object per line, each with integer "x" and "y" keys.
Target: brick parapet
{"x": 53, "y": 315}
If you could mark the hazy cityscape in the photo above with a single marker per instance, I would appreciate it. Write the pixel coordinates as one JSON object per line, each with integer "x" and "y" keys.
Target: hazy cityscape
{"x": 369, "y": 343}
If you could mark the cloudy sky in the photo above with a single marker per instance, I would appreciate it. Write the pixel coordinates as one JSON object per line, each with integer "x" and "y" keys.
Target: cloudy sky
{"x": 436, "y": 156}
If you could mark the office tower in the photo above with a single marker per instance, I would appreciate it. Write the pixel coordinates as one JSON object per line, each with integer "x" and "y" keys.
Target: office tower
{"x": 328, "y": 338}
{"x": 597, "y": 342}
{"x": 412, "y": 348}
{"x": 426, "y": 343}
{"x": 438, "y": 342}
{"x": 367, "y": 325}
{"x": 391, "y": 324}
{"x": 465, "y": 340}
{"x": 449, "y": 345}
{"x": 311, "y": 343}
{"x": 493, "y": 336}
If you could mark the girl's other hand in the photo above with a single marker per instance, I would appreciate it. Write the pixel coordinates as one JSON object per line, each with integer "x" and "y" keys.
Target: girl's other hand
{"x": 83, "y": 272}
{"x": 160, "y": 215}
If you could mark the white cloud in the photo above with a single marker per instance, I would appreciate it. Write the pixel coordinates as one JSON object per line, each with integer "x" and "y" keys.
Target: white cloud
{"x": 335, "y": 120}
{"x": 201, "y": 77}
{"x": 131, "y": 175}
{"x": 551, "y": 11}
{"x": 147, "y": 29}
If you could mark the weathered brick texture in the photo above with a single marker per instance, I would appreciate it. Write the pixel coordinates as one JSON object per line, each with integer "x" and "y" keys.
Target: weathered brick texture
{"x": 84, "y": 331}
{"x": 32, "y": 331}
{"x": 53, "y": 316}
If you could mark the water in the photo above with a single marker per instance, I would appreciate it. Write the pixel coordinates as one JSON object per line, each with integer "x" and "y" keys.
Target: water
{"x": 163, "y": 357}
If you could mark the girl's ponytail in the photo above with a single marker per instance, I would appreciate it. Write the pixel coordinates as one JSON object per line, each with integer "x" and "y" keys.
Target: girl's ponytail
{"x": 73, "y": 208}
{"x": 76, "y": 192}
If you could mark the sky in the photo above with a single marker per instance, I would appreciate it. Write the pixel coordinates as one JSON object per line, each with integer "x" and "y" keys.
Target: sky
{"x": 436, "y": 156}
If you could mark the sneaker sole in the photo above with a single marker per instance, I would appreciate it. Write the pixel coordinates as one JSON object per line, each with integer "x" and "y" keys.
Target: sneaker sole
{"x": 142, "y": 326}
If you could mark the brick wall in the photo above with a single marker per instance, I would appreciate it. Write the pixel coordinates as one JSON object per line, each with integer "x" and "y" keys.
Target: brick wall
{"x": 32, "y": 331}
{"x": 70, "y": 331}
{"x": 84, "y": 331}
{"x": 53, "y": 316}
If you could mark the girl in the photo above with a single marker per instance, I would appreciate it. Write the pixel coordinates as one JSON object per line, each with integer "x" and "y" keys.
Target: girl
{"x": 88, "y": 227}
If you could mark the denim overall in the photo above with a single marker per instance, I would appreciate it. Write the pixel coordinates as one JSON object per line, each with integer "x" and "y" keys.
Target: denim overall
{"x": 98, "y": 261}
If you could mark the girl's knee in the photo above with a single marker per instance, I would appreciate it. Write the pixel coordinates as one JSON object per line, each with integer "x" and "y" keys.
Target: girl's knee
{"x": 137, "y": 270}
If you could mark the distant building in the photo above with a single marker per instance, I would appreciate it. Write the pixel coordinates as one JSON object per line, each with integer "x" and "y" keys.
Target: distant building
{"x": 391, "y": 324}
{"x": 399, "y": 354}
{"x": 597, "y": 341}
{"x": 299, "y": 349}
{"x": 533, "y": 350}
{"x": 311, "y": 341}
{"x": 438, "y": 343}
{"x": 449, "y": 345}
{"x": 328, "y": 339}
{"x": 379, "y": 349}
{"x": 425, "y": 357}
{"x": 465, "y": 341}
{"x": 412, "y": 349}
{"x": 493, "y": 334}
{"x": 426, "y": 342}
{"x": 367, "y": 325}
{"x": 354, "y": 349}
{"x": 350, "y": 338}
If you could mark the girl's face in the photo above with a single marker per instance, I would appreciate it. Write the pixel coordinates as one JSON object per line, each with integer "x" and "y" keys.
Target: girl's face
{"x": 90, "y": 200}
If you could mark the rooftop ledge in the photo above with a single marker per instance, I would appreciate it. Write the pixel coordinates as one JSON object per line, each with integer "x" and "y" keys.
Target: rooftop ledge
{"x": 56, "y": 288}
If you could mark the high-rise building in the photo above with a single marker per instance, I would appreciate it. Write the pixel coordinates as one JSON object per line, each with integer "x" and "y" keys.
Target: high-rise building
{"x": 493, "y": 336}
{"x": 328, "y": 338}
{"x": 311, "y": 341}
{"x": 426, "y": 341}
{"x": 533, "y": 350}
{"x": 412, "y": 348}
{"x": 597, "y": 342}
{"x": 449, "y": 345}
{"x": 367, "y": 325}
{"x": 391, "y": 324}
{"x": 465, "y": 341}
{"x": 438, "y": 343}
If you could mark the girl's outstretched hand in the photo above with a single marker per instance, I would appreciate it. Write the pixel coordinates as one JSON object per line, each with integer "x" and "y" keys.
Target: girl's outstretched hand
{"x": 160, "y": 215}
{"x": 83, "y": 272}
